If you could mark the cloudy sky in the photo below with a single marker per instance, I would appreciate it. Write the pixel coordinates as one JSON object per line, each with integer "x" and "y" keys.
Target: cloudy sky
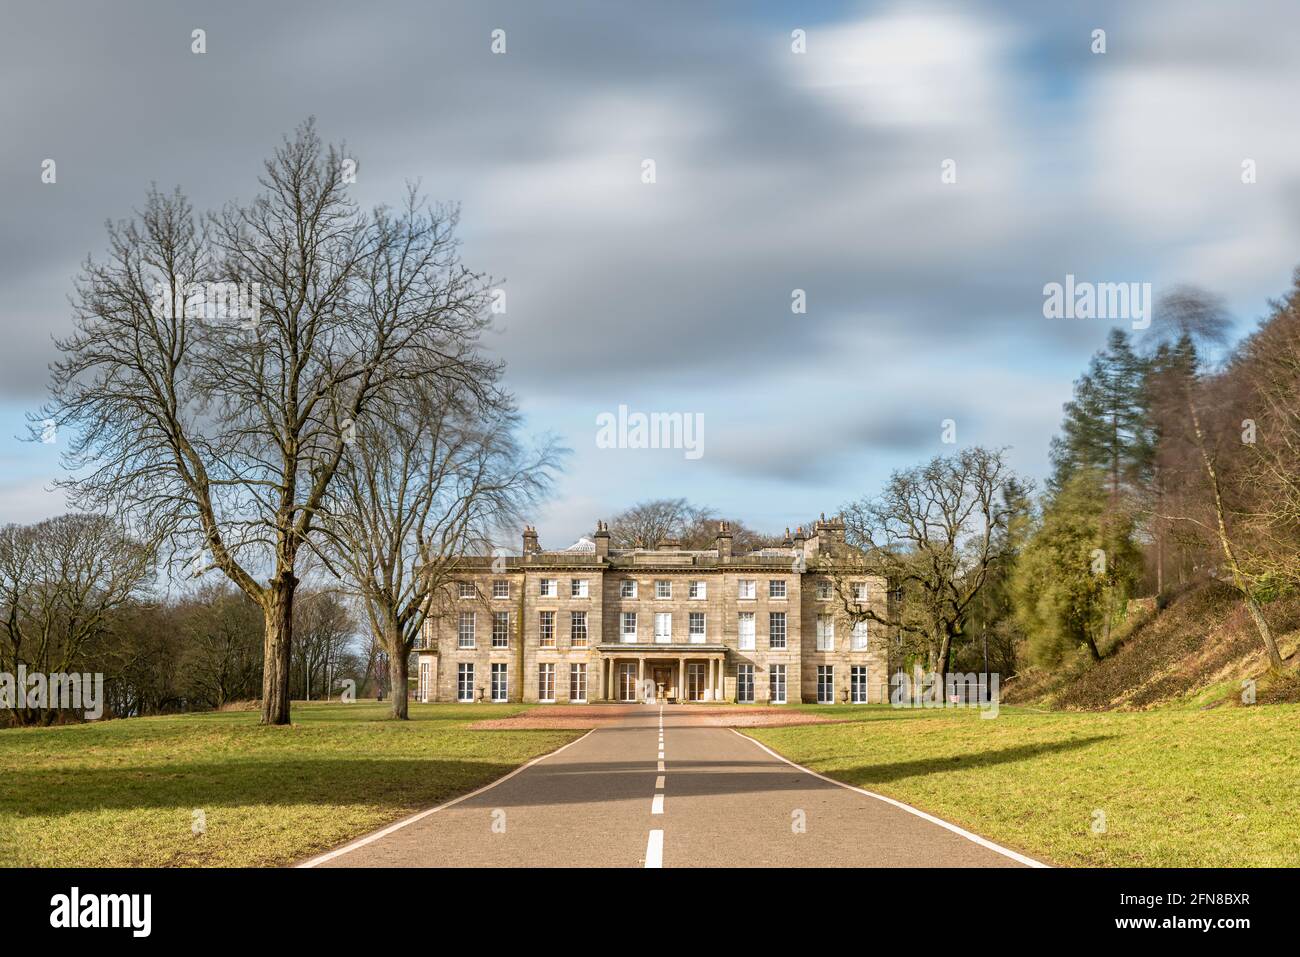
{"x": 775, "y": 171}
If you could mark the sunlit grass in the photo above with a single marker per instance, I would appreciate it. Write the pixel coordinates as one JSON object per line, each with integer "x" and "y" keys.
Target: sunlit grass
{"x": 126, "y": 793}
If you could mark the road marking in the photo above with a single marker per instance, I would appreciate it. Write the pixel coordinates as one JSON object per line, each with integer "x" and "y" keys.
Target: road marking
{"x": 661, "y": 765}
{"x": 657, "y": 805}
{"x": 371, "y": 838}
{"x": 659, "y": 783}
{"x": 654, "y": 849}
{"x": 982, "y": 841}
{"x": 661, "y": 754}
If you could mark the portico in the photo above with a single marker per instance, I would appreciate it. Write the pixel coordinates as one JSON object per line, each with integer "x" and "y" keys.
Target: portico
{"x": 679, "y": 672}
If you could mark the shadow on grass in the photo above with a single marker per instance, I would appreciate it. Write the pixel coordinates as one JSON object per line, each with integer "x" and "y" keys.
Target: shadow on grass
{"x": 885, "y": 773}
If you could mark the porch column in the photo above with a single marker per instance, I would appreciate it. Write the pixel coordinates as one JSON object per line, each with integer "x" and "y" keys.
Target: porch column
{"x": 640, "y": 674}
{"x": 609, "y": 678}
{"x": 681, "y": 685}
{"x": 709, "y": 686}
{"x": 717, "y": 693}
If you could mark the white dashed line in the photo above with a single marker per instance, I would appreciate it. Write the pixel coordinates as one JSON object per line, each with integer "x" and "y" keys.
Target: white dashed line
{"x": 659, "y": 783}
{"x": 657, "y": 805}
{"x": 661, "y": 765}
{"x": 654, "y": 849}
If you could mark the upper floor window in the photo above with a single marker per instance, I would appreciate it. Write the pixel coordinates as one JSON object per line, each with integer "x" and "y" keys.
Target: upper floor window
{"x": 467, "y": 589}
{"x": 627, "y": 588}
{"x": 547, "y": 631}
{"x": 746, "y": 630}
{"x": 825, "y": 633}
{"x": 776, "y": 629}
{"x": 745, "y": 588}
{"x": 465, "y": 629}
{"x": 546, "y": 588}
{"x": 696, "y": 623}
{"x": 859, "y": 591}
{"x": 824, "y": 591}
{"x": 776, "y": 588}
{"x": 860, "y": 635}
{"x": 501, "y": 629}
{"x": 578, "y": 629}
{"x": 697, "y": 590}
{"x": 500, "y": 588}
{"x": 578, "y": 588}
{"x": 627, "y": 626}
{"x": 663, "y": 589}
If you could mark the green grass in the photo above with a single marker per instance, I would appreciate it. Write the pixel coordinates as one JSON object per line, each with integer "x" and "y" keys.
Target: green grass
{"x": 124, "y": 793}
{"x": 1177, "y": 787}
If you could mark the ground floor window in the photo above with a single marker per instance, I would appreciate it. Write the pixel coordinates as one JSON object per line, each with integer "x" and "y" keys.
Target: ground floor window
{"x": 744, "y": 684}
{"x": 546, "y": 682}
{"x": 425, "y": 671}
{"x": 695, "y": 681}
{"x": 500, "y": 682}
{"x": 577, "y": 682}
{"x": 825, "y": 684}
{"x": 858, "y": 684}
{"x": 465, "y": 681}
{"x": 776, "y": 684}
{"x": 627, "y": 682}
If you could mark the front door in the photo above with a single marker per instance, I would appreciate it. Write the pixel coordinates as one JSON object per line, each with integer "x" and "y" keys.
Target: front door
{"x": 695, "y": 681}
{"x": 627, "y": 681}
{"x": 663, "y": 681}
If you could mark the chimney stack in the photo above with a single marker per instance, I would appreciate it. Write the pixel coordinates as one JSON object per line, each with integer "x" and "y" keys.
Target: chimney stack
{"x": 531, "y": 546}
{"x": 601, "y": 538}
{"x": 724, "y": 541}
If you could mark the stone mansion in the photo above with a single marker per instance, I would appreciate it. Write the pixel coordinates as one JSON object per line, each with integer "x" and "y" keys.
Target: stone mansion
{"x": 590, "y": 623}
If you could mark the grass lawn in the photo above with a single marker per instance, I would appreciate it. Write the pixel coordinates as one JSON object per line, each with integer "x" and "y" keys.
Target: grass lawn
{"x": 124, "y": 793}
{"x": 1177, "y": 787}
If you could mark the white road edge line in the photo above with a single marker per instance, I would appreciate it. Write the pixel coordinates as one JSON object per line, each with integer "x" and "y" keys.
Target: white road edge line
{"x": 657, "y": 805}
{"x": 370, "y": 838}
{"x": 982, "y": 841}
{"x": 654, "y": 849}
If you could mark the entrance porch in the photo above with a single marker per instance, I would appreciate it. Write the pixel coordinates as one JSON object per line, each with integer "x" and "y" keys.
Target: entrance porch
{"x": 663, "y": 673}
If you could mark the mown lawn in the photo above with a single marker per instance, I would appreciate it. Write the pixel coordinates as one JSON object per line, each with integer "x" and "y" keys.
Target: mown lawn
{"x": 1176, "y": 788}
{"x": 126, "y": 793}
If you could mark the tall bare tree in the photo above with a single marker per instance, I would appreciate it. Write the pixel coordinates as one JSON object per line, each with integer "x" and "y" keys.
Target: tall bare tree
{"x": 934, "y": 533}
{"x": 223, "y": 429}
{"x": 419, "y": 490}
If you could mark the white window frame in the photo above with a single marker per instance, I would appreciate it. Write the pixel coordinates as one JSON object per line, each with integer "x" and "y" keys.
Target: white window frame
{"x": 776, "y": 689}
{"x": 859, "y": 591}
{"x": 663, "y": 628}
{"x": 548, "y": 587}
{"x": 825, "y": 632}
{"x": 624, "y": 635}
{"x": 578, "y": 588}
{"x": 574, "y": 618}
{"x": 861, "y": 635}
{"x": 500, "y": 589}
{"x": 627, "y": 588}
{"x": 422, "y": 689}
{"x": 858, "y": 679}
{"x": 772, "y": 618}
{"x": 693, "y": 636}
{"x": 697, "y": 590}
{"x": 461, "y": 639}
{"x": 496, "y": 619}
{"x": 578, "y": 683}
{"x": 746, "y": 589}
{"x": 466, "y": 590}
{"x": 744, "y": 684}
{"x": 500, "y": 688}
{"x": 663, "y": 588}
{"x": 825, "y": 684}
{"x": 465, "y": 681}
{"x": 825, "y": 592}
{"x": 546, "y": 682}
{"x": 542, "y": 621}
{"x": 746, "y": 636}
{"x": 777, "y": 589}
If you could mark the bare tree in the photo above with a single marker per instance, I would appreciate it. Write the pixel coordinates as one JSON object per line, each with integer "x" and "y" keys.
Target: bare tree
{"x": 61, "y": 582}
{"x": 935, "y": 534}
{"x": 223, "y": 432}
{"x": 419, "y": 491}
{"x": 223, "y": 648}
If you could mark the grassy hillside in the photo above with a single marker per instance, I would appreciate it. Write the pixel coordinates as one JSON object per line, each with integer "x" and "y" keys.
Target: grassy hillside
{"x": 1155, "y": 788}
{"x": 1193, "y": 653}
{"x": 125, "y": 793}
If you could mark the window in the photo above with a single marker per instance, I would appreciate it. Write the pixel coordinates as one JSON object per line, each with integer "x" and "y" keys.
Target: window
{"x": 663, "y": 589}
{"x": 776, "y": 629}
{"x": 698, "y": 590}
{"x": 824, "y": 590}
{"x": 465, "y": 630}
{"x": 627, "y": 588}
{"x": 776, "y": 684}
{"x": 547, "y": 631}
{"x": 578, "y": 629}
{"x": 825, "y": 633}
{"x": 467, "y": 590}
{"x": 858, "y": 684}
{"x": 776, "y": 588}
{"x": 546, "y": 588}
{"x": 746, "y": 625}
{"x": 745, "y": 588}
{"x": 696, "y": 627}
{"x": 577, "y": 682}
{"x": 578, "y": 588}
{"x": 825, "y": 684}
{"x": 744, "y": 684}
{"x": 859, "y": 591}
{"x": 546, "y": 682}
{"x": 465, "y": 681}
{"x": 423, "y": 690}
{"x": 501, "y": 588}
{"x": 500, "y": 629}
{"x": 860, "y": 635}
{"x": 663, "y": 628}
{"x": 500, "y": 682}
{"x": 627, "y": 627}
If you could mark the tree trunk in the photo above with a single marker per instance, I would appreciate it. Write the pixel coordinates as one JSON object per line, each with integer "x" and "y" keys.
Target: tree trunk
{"x": 945, "y": 651}
{"x": 398, "y": 669}
{"x": 277, "y": 644}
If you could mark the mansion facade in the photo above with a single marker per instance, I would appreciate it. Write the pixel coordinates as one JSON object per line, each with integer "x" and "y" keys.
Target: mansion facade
{"x": 590, "y": 623}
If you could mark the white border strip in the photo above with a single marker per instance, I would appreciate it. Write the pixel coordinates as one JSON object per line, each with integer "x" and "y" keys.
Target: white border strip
{"x": 982, "y": 841}
{"x": 371, "y": 838}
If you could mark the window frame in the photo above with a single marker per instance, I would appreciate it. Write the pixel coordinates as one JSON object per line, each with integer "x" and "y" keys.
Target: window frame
{"x": 773, "y": 584}
{"x": 744, "y": 684}
{"x": 546, "y": 637}
{"x": 545, "y": 670}
{"x": 473, "y": 630}
{"x": 542, "y": 586}
{"x": 498, "y": 584}
{"x": 659, "y": 617}
{"x": 697, "y": 590}
{"x": 497, "y": 616}
{"x": 578, "y": 670}
{"x": 740, "y": 589}
{"x": 825, "y": 632}
{"x": 500, "y": 668}
{"x": 579, "y": 592}
{"x": 752, "y": 618}
{"x": 859, "y": 677}
{"x": 464, "y": 668}
{"x": 772, "y": 618}
{"x": 574, "y": 618}
{"x": 697, "y": 637}
{"x": 627, "y": 588}
{"x": 826, "y": 683}
{"x": 773, "y": 671}
{"x": 624, "y": 617}
{"x": 667, "y": 584}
